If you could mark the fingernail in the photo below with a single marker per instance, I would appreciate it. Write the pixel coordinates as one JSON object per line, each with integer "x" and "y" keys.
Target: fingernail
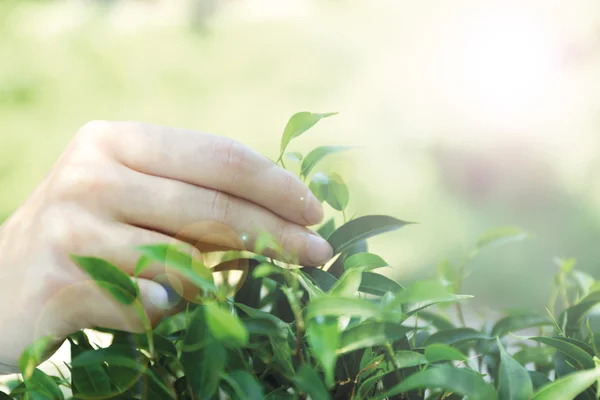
{"x": 313, "y": 213}
{"x": 319, "y": 251}
{"x": 158, "y": 296}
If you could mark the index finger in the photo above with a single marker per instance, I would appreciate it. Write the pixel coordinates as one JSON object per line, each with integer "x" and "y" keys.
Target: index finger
{"x": 217, "y": 163}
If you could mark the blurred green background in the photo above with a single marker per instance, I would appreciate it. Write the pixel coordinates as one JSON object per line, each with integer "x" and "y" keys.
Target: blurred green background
{"x": 468, "y": 115}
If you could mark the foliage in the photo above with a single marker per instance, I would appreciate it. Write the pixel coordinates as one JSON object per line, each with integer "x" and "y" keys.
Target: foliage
{"x": 340, "y": 331}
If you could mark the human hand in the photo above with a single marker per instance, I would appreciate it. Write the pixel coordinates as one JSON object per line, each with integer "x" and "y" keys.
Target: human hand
{"x": 120, "y": 185}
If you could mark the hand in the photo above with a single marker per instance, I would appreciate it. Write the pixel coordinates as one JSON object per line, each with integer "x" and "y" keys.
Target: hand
{"x": 120, "y": 185}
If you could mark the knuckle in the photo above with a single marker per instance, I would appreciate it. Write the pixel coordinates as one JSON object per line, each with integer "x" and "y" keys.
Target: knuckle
{"x": 282, "y": 234}
{"x": 230, "y": 155}
{"x": 287, "y": 188}
{"x": 221, "y": 206}
{"x": 97, "y": 132}
{"x": 77, "y": 181}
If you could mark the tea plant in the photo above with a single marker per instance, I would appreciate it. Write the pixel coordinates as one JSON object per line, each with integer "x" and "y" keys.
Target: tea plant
{"x": 339, "y": 331}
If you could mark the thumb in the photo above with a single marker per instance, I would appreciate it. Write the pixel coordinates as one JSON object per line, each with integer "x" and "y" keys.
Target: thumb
{"x": 99, "y": 309}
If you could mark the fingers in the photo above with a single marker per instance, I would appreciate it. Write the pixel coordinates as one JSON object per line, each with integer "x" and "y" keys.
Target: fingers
{"x": 197, "y": 214}
{"x": 218, "y": 163}
{"x": 95, "y": 308}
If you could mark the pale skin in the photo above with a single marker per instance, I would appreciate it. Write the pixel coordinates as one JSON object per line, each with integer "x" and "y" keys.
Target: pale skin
{"x": 120, "y": 185}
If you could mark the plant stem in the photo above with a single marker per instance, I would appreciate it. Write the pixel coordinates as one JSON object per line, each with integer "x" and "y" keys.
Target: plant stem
{"x": 344, "y": 216}
{"x": 389, "y": 351}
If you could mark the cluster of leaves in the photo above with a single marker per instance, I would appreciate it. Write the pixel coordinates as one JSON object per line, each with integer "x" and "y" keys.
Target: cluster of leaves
{"x": 340, "y": 331}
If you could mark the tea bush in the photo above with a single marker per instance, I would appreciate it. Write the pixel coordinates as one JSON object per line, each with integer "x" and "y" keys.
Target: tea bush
{"x": 339, "y": 331}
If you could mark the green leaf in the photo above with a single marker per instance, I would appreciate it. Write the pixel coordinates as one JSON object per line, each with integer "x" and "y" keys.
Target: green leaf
{"x": 338, "y": 194}
{"x": 362, "y": 228}
{"x": 514, "y": 323}
{"x": 568, "y": 387}
{"x": 371, "y": 333}
{"x": 225, "y": 326}
{"x": 294, "y": 156}
{"x": 501, "y": 235}
{"x": 298, "y": 124}
{"x": 442, "y": 352}
{"x": 403, "y": 359}
{"x": 4, "y": 396}
{"x": 115, "y": 355}
{"x": 109, "y": 277}
{"x": 514, "y": 381}
{"x": 262, "y": 326}
{"x": 440, "y": 322}
{"x": 571, "y": 317}
{"x": 143, "y": 263}
{"x": 538, "y": 380}
{"x": 377, "y": 284}
{"x": 263, "y": 270}
{"x": 537, "y": 355}
{"x": 319, "y": 186}
{"x": 317, "y": 155}
{"x": 323, "y": 336}
{"x": 42, "y": 387}
{"x": 309, "y": 382}
{"x": 91, "y": 380}
{"x": 244, "y": 386}
{"x": 423, "y": 294}
{"x": 348, "y": 284}
{"x": 33, "y": 355}
{"x": 366, "y": 260}
{"x": 455, "y": 335}
{"x": 327, "y": 228}
{"x": 578, "y": 356}
{"x": 461, "y": 381}
{"x": 191, "y": 268}
{"x": 338, "y": 306}
{"x": 203, "y": 358}
{"x": 323, "y": 279}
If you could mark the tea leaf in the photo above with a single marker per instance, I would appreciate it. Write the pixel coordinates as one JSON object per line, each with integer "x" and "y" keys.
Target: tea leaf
{"x": 319, "y": 186}
{"x": 514, "y": 323}
{"x": 572, "y": 316}
{"x": 455, "y": 335}
{"x": 323, "y": 279}
{"x": 309, "y": 382}
{"x": 568, "y": 387}
{"x": 501, "y": 235}
{"x": 323, "y": 336}
{"x": 370, "y": 334}
{"x": 424, "y": 294}
{"x": 327, "y": 228}
{"x": 33, "y": 355}
{"x": 442, "y": 352}
{"x": 244, "y": 386}
{"x": 203, "y": 358}
{"x": 514, "y": 381}
{"x": 538, "y": 380}
{"x": 91, "y": 380}
{"x": 337, "y": 193}
{"x": 362, "y": 228}
{"x": 579, "y": 356}
{"x": 191, "y": 268}
{"x": 368, "y": 261}
{"x": 42, "y": 387}
{"x": 109, "y": 277}
{"x": 338, "y": 306}
{"x": 461, "y": 381}
{"x": 317, "y": 155}
{"x": 298, "y": 124}
{"x": 294, "y": 156}
{"x": 377, "y": 284}
{"x": 115, "y": 355}
{"x": 225, "y": 326}
{"x": 348, "y": 284}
